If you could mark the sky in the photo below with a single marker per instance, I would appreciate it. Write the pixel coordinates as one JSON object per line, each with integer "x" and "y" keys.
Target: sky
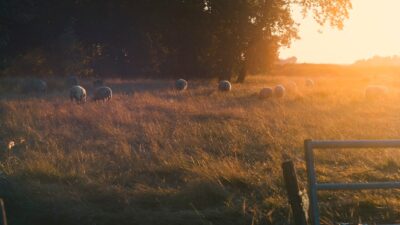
{"x": 372, "y": 29}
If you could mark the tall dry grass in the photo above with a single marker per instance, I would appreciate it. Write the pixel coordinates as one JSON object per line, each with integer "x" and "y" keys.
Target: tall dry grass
{"x": 156, "y": 156}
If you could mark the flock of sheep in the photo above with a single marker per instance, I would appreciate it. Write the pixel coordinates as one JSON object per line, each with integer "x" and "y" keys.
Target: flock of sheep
{"x": 371, "y": 91}
{"x": 79, "y": 94}
{"x": 278, "y": 91}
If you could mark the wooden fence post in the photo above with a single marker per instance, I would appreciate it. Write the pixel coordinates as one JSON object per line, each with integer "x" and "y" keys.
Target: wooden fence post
{"x": 3, "y": 212}
{"x": 293, "y": 191}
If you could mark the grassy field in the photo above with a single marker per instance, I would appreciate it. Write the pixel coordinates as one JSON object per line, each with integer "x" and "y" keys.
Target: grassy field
{"x": 156, "y": 156}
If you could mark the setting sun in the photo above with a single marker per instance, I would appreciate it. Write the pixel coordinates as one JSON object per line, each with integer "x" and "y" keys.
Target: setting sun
{"x": 370, "y": 30}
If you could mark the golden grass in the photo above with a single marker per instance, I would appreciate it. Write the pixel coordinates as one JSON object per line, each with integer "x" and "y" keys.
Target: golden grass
{"x": 156, "y": 156}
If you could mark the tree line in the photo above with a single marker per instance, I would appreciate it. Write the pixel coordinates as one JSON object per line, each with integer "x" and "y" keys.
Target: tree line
{"x": 227, "y": 39}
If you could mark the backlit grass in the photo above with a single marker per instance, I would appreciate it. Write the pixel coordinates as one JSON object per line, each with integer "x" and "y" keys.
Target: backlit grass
{"x": 156, "y": 156}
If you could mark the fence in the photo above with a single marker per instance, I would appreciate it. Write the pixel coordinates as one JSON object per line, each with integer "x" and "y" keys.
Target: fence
{"x": 314, "y": 186}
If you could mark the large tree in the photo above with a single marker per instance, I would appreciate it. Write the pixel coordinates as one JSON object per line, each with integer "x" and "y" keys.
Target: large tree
{"x": 250, "y": 32}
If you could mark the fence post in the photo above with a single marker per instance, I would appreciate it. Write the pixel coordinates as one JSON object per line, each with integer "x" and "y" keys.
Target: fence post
{"x": 3, "y": 212}
{"x": 293, "y": 191}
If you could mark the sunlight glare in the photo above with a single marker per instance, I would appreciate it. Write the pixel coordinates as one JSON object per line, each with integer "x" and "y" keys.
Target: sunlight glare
{"x": 370, "y": 30}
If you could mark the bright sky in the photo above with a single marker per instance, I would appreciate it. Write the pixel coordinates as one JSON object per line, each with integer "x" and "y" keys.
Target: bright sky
{"x": 372, "y": 29}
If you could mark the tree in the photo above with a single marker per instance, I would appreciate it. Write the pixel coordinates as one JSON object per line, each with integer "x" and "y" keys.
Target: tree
{"x": 250, "y": 32}
{"x": 167, "y": 38}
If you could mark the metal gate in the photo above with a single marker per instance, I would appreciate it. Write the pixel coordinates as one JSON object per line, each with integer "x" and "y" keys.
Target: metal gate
{"x": 314, "y": 186}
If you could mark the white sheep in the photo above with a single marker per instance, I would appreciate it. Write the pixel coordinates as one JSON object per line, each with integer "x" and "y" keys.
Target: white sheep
{"x": 309, "y": 83}
{"x": 224, "y": 85}
{"x": 279, "y": 91}
{"x": 77, "y": 93}
{"x": 266, "y": 93}
{"x": 102, "y": 93}
{"x": 375, "y": 91}
{"x": 181, "y": 84}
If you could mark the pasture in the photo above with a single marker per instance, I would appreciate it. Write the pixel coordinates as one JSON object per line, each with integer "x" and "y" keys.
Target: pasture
{"x": 154, "y": 155}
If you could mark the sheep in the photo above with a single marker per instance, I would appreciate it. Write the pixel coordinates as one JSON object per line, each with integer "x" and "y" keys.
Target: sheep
{"x": 72, "y": 81}
{"x": 34, "y": 85}
{"x": 375, "y": 91}
{"x": 224, "y": 85}
{"x": 266, "y": 93}
{"x": 98, "y": 83}
{"x": 78, "y": 94}
{"x": 102, "y": 93}
{"x": 309, "y": 83}
{"x": 291, "y": 86}
{"x": 279, "y": 91}
{"x": 181, "y": 84}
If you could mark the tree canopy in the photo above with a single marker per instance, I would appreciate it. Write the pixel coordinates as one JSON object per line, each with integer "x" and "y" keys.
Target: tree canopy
{"x": 167, "y": 38}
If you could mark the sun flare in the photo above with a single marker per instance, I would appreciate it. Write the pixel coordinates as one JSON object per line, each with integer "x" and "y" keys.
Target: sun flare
{"x": 370, "y": 30}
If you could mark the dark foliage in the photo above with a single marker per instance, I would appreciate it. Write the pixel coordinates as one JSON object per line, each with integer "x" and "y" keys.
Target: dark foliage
{"x": 164, "y": 38}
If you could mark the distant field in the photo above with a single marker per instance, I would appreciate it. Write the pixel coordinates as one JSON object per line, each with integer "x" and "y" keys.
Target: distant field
{"x": 156, "y": 156}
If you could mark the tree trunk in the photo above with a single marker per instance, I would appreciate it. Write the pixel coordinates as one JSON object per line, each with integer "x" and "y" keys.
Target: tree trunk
{"x": 242, "y": 72}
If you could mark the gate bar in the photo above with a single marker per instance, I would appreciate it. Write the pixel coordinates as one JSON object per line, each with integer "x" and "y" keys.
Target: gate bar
{"x": 355, "y": 144}
{"x": 357, "y": 186}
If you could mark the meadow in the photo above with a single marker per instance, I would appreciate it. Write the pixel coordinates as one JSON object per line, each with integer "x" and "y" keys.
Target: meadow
{"x": 153, "y": 155}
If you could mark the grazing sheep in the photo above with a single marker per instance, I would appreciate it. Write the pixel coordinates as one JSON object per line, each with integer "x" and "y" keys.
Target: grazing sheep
{"x": 266, "y": 93}
{"x": 309, "y": 83}
{"x": 181, "y": 84}
{"x": 98, "y": 83}
{"x": 72, "y": 81}
{"x": 279, "y": 91}
{"x": 291, "y": 86}
{"x": 34, "y": 86}
{"x": 375, "y": 91}
{"x": 77, "y": 93}
{"x": 102, "y": 93}
{"x": 224, "y": 85}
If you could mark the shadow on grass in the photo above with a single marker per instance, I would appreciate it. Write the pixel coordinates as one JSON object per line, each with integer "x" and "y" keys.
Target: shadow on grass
{"x": 30, "y": 201}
